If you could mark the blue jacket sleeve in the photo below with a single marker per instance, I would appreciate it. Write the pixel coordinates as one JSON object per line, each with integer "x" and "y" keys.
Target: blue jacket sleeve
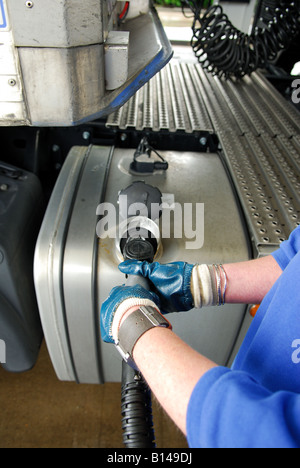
{"x": 288, "y": 249}
{"x": 228, "y": 409}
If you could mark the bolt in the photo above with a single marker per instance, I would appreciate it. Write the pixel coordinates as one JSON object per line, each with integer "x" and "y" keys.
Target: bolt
{"x": 12, "y": 82}
{"x": 3, "y": 187}
{"x": 86, "y": 135}
{"x": 29, "y": 4}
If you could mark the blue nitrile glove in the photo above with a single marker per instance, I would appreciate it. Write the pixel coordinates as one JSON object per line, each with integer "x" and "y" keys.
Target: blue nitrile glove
{"x": 117, "y": 296}
{"x": 171, "y": 282}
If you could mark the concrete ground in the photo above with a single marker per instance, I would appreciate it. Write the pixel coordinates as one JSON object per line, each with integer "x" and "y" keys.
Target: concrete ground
{"x": 39, "y": 411}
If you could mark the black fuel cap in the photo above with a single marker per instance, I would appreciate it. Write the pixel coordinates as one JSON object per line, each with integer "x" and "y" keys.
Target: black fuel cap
{"x": 140, "y": 195}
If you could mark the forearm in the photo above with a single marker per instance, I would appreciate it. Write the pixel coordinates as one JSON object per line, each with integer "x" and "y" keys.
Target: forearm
{"x": 171, "y": 369}
{"x": 249, "y": 282}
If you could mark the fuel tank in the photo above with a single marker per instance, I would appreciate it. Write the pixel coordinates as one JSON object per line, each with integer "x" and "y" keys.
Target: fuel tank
{"x": 78, "y": 251}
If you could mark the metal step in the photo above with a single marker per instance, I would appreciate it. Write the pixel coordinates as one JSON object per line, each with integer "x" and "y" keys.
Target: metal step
{"x": 266, "y": 174}
{"x": 171, "y": 101}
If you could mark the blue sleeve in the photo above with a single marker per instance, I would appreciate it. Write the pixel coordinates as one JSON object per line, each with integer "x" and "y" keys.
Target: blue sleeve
{"x": 228, "y": 409}
{"x": 288, "y": 249}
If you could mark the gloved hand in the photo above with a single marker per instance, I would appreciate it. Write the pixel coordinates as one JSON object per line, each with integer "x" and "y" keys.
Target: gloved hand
{"x": 120, "y": 300}
{"x": 171, "y": 282}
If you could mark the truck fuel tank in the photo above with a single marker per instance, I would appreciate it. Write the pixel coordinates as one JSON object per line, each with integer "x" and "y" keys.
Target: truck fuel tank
{"x": 197, "y": 220}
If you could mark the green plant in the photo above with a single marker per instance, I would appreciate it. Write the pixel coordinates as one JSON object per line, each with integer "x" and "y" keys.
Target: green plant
{"x": 179, "y": 3}
{"x": 169, "y": 2}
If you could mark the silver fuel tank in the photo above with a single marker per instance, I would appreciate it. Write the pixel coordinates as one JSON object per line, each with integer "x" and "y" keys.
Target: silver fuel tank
{"x": 78, "y": 253}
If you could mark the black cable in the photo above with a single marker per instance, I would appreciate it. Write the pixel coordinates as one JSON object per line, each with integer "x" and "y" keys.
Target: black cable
{"x": 225, "y": 51}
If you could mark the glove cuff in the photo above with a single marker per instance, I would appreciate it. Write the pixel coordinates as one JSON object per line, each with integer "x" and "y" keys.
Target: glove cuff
{"x": 187, "y": 299}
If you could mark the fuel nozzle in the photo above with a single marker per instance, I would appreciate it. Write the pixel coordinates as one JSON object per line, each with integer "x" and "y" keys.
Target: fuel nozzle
{"x": 139, "y": 239}
{"x": 140, "y": 236}
{"x": 139, "y": 249}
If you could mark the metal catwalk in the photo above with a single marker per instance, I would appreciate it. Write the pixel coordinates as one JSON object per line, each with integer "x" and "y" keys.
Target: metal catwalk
{"x": 258, "y": 131}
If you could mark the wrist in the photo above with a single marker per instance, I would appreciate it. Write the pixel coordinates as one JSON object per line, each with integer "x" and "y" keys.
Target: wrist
{"x": 125, "y": 309}
{"x": 134, "y": 324}
{"x": 126, "y": 315}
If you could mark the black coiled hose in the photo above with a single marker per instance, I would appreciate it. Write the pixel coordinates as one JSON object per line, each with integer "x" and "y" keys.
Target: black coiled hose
{"x": 225, "y": 51}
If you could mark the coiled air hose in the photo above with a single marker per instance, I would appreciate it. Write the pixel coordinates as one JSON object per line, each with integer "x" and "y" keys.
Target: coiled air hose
{"x": 224, "y": 51}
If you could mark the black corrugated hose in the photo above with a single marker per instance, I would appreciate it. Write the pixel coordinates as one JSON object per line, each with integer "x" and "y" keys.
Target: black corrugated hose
{"x": 226, "y": 52}
{"x": 137, "y": 420}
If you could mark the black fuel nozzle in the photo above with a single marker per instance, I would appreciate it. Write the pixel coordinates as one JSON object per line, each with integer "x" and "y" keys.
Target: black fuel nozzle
{"x": 139, "y": 249}
{"x": 137, "y": 419}
{"x": 139, "y": 239}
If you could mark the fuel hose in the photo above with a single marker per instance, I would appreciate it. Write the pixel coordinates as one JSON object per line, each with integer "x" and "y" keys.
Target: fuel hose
{"x": 136, "y": 401}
